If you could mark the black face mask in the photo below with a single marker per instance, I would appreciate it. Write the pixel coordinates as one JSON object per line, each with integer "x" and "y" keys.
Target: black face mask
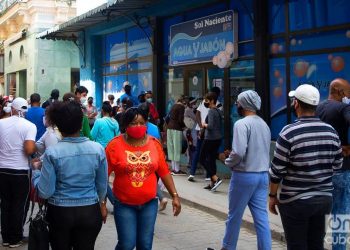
{"x": 90, "y": 102}
{"x": 240, "y": 111}
{"x": 206, "y": 104}
{"x": 294, "y": 111}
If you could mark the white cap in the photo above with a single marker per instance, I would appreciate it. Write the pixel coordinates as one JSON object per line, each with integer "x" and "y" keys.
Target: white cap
{"x": 126, "y": 83}
{"x": 20, "y": 104}
{"x": 307, "y": 94}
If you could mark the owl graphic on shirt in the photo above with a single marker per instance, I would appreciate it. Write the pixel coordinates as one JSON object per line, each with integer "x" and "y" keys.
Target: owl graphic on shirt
{"x": 138, "y": 167}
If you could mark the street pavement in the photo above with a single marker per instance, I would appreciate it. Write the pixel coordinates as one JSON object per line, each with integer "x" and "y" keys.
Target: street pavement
{"x": 193, "y": 229}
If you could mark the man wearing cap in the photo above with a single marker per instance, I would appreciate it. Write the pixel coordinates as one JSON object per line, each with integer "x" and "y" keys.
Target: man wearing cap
{"x": 249, "y": 161}
{"x": 336, "y": 112}
{"x": 17, "y": 142}
{"x": 307, "y": 154}
{"x": 36, "y": 115}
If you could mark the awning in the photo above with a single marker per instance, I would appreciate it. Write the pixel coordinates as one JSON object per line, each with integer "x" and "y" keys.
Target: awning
{"x": 69, "y": 30}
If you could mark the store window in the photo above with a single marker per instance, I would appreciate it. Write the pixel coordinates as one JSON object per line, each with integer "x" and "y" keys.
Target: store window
{"x": 315, "y": 14}
{"x": 241, "y": 78}
{"x": 127, "y": 57}
{"x": 174, "y": 82}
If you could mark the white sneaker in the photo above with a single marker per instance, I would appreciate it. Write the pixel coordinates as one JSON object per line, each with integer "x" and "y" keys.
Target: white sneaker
{"x": 162, "y": 204}
{"x": 190, "y": 178}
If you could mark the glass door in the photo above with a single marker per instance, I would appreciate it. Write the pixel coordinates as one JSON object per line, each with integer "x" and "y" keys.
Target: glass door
{"x": 195, "y": 82}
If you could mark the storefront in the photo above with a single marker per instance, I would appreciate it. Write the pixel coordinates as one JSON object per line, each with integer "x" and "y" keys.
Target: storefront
{"x": 271, "y": 46}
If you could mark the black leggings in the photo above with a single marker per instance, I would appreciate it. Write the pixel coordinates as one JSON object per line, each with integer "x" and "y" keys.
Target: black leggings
{"x": 74, "y": 227}
{"x": 209, "y": 152}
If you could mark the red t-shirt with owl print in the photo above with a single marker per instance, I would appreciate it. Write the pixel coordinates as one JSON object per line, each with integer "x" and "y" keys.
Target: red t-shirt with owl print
{"x": 135, "y": 169}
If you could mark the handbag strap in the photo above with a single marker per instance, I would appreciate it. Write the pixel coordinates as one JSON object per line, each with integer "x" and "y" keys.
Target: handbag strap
{"x": 42, "y": 206}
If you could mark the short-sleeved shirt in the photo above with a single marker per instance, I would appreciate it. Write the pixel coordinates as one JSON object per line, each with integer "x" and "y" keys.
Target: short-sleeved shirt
{"x": 135, "y": 169}
{"x": 36, "y": 116}
{"x": 336, "y": 114}
{"x": 14, "y": 131}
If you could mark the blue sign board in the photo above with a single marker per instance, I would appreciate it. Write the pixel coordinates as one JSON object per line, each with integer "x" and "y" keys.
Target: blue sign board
{"x": 202, "y": 40}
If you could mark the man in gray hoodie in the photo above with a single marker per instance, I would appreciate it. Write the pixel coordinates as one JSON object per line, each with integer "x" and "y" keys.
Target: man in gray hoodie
{"x": 249, "y": 161}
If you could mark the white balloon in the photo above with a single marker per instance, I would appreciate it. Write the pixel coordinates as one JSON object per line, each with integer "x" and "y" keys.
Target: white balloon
{"x": 222, "y": 60}
{"x": 215, "y": 60}
{"x": 229, "y": 48}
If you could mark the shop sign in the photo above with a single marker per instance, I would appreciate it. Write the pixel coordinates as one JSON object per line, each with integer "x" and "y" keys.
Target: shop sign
{"x": 202, "y": 39}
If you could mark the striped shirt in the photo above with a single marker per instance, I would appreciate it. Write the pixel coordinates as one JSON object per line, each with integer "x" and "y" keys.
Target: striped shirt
{"x": 306, "y": 155}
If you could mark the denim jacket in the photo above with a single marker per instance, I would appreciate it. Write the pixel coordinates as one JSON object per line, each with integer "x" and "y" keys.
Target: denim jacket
{"x": 74, "y": 173}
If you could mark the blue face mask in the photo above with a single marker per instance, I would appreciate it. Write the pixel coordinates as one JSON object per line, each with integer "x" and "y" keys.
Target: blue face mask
{"x": 149, "y": 100}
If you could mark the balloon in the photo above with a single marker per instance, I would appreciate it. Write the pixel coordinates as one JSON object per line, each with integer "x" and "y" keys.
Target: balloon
{"x": 347, "y": 34}
{"x": 300, "y": 68}
{"x": 337, "y": 64}
{"x": 277, "y": 73}
{"x": 222, "y": 61}
{"x": 274, "y": 48}
{"x": 277, "y": 92}
{"x": 215, "y": 60}
{"x": 293, "y": 42}
{"x": 280, "y": 80}
{"x": 229, "y": 48}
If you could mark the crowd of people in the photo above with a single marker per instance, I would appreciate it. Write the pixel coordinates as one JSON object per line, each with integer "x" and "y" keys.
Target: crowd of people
{"x": 65, "y": 151}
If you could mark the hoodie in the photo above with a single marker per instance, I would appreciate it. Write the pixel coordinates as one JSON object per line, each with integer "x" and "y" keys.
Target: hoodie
{"x": 104, "y": 130}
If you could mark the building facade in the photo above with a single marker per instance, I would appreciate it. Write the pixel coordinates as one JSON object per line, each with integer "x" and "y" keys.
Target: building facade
{"x": 187, "y": 47}
{"x": 30, "y": 64}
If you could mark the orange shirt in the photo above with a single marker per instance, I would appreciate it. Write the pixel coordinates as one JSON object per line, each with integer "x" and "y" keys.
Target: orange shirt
{"x": 135, "y": 169}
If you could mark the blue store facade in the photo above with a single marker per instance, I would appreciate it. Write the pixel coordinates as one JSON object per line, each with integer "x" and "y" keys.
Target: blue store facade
{"x": 173, "y": 48}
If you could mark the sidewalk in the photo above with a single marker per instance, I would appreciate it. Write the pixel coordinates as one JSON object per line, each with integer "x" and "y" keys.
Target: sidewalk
{"x": 216, "y": 203}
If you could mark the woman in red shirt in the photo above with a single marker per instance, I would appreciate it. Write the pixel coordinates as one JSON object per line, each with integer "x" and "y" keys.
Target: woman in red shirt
{"x": 136, "y": 159}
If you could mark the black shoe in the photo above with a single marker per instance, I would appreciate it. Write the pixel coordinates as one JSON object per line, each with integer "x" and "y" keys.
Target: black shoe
{"x": 216, "y": 184}
{"x": 209, "y": 187}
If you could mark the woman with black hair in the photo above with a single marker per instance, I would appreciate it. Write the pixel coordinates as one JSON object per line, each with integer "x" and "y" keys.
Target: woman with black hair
{"x": 105, "y": 128}
{"x": 73, "y": 179}
{"x": 136, "y": 159}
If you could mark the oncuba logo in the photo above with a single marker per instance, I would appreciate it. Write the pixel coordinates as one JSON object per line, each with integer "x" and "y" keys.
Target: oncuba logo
{"x": 337, "y": 223}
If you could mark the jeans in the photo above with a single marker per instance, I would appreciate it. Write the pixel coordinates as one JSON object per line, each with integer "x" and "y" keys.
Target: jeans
{"x": 341, "y": 204}
{"x": 75, "y": 227}
{"x": 135, "y": 225}
{"x": 209, "y": 154}
{"x": 304, "y": 221}
{"x": 14, "y": 195}
{"x": 248, "y": 188}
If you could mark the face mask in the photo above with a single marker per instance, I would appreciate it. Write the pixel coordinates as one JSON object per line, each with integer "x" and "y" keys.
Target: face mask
{"x": 206, "y": 104}
{"x": 346, "y": 100}
{"x": 240, "y": 111}
{"x": 136, "y": 132}
{"x": 10, "y": 99}
{"x": 90, "y": 102}
{"x": 7, "y": 108}
{"x": 149, "y": 100}
{"x": 82, "y": 100}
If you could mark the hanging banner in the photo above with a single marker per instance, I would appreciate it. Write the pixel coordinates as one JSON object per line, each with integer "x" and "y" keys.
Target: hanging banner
{"x": 202, "y": 39}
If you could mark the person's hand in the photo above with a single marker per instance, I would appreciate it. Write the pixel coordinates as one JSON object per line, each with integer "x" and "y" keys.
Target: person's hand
{"x": 176, "y": 205}
{"x": 346, "y": 150}
{"x": 36, "y": 163}
{"x": 222, "y": 157}
{"x": 227, "y": 152}
{"x": 273, "y": 202}
{"x": 104, "y": 212}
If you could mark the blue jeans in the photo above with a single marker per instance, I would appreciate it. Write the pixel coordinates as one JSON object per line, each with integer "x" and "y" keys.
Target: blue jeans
{"x": 135, "y": 225}
{"x": 247, "y": 188}
{"x": 341, "y": 203}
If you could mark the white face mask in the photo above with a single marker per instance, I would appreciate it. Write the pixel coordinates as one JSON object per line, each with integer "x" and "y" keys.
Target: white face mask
{"x": 346, "y": 100}
{"x": 7, "y": 109}
{"x": 83, "y": 100}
